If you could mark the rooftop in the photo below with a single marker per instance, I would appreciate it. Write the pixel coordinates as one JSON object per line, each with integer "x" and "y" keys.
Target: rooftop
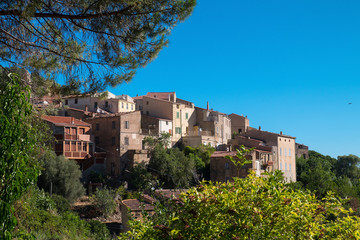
{"x": 65, "y": 121}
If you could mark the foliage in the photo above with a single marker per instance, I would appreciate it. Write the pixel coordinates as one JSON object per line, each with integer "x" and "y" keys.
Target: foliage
{"x": 241, "y": 158}
{"x": 95, "y": 177}
{"x": 60, "y": 203}
{"x": 104, "y": 200}
{"x": 99, "y": 230}
{"x": 201, "y": 157}
{"x": 249, "y": 208}
{"x": 171, "y": 167}
{"x": 348, "y": 166}
{"x": 140, "y": 178}
{"x": 18, "y": 168}
{"x": 63, "y": 174}
{"x": 151, "y": 142}
{"x": 94, "y": 44}
{"x": 39, "y": 222}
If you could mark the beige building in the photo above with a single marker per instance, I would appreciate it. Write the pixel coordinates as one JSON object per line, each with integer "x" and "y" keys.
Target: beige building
{"x": 212, "y": 127}
{"x": 239, "y": 124}
{"x": 166, "y": 105}
{"x": 101, "y": 103}
{"x": 283, "y": 150}
{"x": 223, "y": 169}
{"x": 120, "y": 136}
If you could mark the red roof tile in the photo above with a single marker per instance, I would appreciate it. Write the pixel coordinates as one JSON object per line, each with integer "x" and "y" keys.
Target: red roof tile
{"x": 57, "y": 120}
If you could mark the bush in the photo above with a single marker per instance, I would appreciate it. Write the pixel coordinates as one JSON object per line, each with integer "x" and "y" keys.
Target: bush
{"x": 99, "y": 230}
{"x": 60, "y": 203}
{"x": 104, "y": 200}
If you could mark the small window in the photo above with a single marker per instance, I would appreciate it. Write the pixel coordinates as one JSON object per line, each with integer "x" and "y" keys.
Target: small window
{"x": 147, "y": 102}
{"x": 73, "y": 146}
{"x": 147, "y": 113}
{"x": 97, "y": 126}
{"x": 178, "y": 130}
{"x": 127, "y": 106}
{"x": 66, "y": 102}
{"x": 140, "y": 107}
{"x": 106, "y": 104}
{"x": 67, "y": 146}
{"x": 285, "y": 166}
{"x": 285, "y": 152}
{"x": 76, "y": 101}
{"x": 95, "y": 105}
{"x": 127, "y": 124}
{"x": 167, "y": 123}
{"x": 113, "y": 141}
{"x": 280, "y": 152}
{"x": 126, "y": 140}
{"x": 289, "y": 152}
{"x": 280, "y": 166}
{"x": 79, "y": 146}
{"x": 84, "y": 147}
{"x": 82, "y": 131}
{"x": 113, "y": 125}
{"x": 227, "y": 166}
{"x": 97, "y": 140}
{"x": 186, "y": 115}
{"x": 177, "y": 115}
{"x": 132, "y": 107}
{"x": 122, "y": 105}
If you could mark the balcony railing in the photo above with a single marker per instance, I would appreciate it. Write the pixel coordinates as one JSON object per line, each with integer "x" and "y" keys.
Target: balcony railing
{"x": 79, "y": 137}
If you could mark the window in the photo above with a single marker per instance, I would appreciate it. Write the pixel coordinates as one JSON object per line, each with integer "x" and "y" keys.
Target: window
{"x": 73, "y": 146}
{"x": 132, "y": 107}
{"x": 67, "y": 146}
{"x": 227, "y": 165}
{"x": 82, "y": 131}
{"x": 178, "y": 130}
{"x": 67, "y": 130}
{"x": 127, "y": 124}
{"x": 127, "y": 106}
{"x": 66, "y": 102}
{"x": 289, "y": 152}
{"x": 97, "y": 140}
{"x": 106, "y": 104}
{"x": 97, "y": 126}
{"x": 84, "y": 147}
{"x": 285, "y": 152}
{"x": 290, "y": 167}
{"x": 167, "y": 123}
{"x": 147, "y": 102}
{"x": 177, "y": 115}
{"x": 76, "y": 101}
{"x": 186, "y": 115}
{"x": 147, "y": 113}
{"x": 79, "y": 146}
{"x": 122, "y": 105}
{"x": 126, "y": 140}
{"x": 280, "y": 151}
{"x": 280, "y": 166}
{"x": 285, "y": 166}
{"x": 140, "y": 107}
{"x": 113, "y": 124}
{"x": 113, "y": 141}
{"x": 95, "y": 105}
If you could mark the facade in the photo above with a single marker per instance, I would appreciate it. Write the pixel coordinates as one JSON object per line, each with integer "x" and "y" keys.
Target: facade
{"x": 212, "y": 127}
{"x": 239, "y": 124}
{"x": 168, "y": 106}
{"x": 301, "y": 150}
{"x": 135, "y": 208}
{"x": 283, "y": 150}
{"x": 72, "y": 138}
{"x": 223, "y": 169}
{"x": 155, "y": 126}
{"x": 116, "y": 134}
{"x": 101, "y": 103}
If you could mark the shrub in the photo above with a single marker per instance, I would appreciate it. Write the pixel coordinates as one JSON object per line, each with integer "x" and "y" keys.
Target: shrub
{"x": 99, "y": 230}
{"x": 104, "y": 200}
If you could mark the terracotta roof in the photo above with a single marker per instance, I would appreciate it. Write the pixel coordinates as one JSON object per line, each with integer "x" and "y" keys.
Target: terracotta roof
{"x": 110, "y": 115}
{"x": 64, "y": 121}
{"x": 138, "y": 97}
{"x": 160, "y": 95}
{"x": 223, "y": 153}
{"x": 136, "y": 205}
{"x": 277, "y": 134}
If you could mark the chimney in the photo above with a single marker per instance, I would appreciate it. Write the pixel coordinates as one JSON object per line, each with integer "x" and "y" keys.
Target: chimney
{"x": 246, "y": 116}
{"x": 259, "y": 128}
{"x": 280, "y": 132}
{"x": 72, "y": 120}
{"x": 86, "y": 108}
{"x": 207, "y": 108}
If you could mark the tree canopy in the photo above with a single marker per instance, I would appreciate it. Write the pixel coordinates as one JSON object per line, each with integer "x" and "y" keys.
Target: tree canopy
{"x": 93, "y": 43}
{"x": 249, "y": 208}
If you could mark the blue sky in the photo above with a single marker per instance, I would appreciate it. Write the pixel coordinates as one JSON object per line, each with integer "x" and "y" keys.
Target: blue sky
{"x": 290, "y": 66}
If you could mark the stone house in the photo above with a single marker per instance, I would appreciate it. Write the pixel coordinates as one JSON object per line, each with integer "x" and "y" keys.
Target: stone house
{"x": 120, "y": 136}
{"x": 301, "y": 150}
{"x": 239, "y": 124}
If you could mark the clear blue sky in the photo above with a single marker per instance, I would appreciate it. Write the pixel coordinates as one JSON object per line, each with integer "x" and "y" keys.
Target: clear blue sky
{"x": 290, "y": 66}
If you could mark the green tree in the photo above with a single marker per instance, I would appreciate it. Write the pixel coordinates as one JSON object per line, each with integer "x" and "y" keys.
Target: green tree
{"x": 241, "y": 158}
{"x": 18, "y": 139}
{"x": 249, "y": 208}
{"x": 201, "y": 157}
{"x": 93, "y": 43}
{"x": 61, "y": 176}
{"x": 104, "y": 200}
{"x": 171, "y": 167}
{"x": 348, "y": 166}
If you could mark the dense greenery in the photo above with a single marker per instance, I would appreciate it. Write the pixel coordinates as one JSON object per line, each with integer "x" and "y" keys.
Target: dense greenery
{"x": 61, "y": 176}
{"x": 18, "y": 142}
{"x": 249, "y": 208}
{"x": 104, "y": 200}
{"x": 93, "y": 43}
{"x": 43, "y": 217}
{"x": 322, "y": 174}
{"x": 201, "y": 157}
